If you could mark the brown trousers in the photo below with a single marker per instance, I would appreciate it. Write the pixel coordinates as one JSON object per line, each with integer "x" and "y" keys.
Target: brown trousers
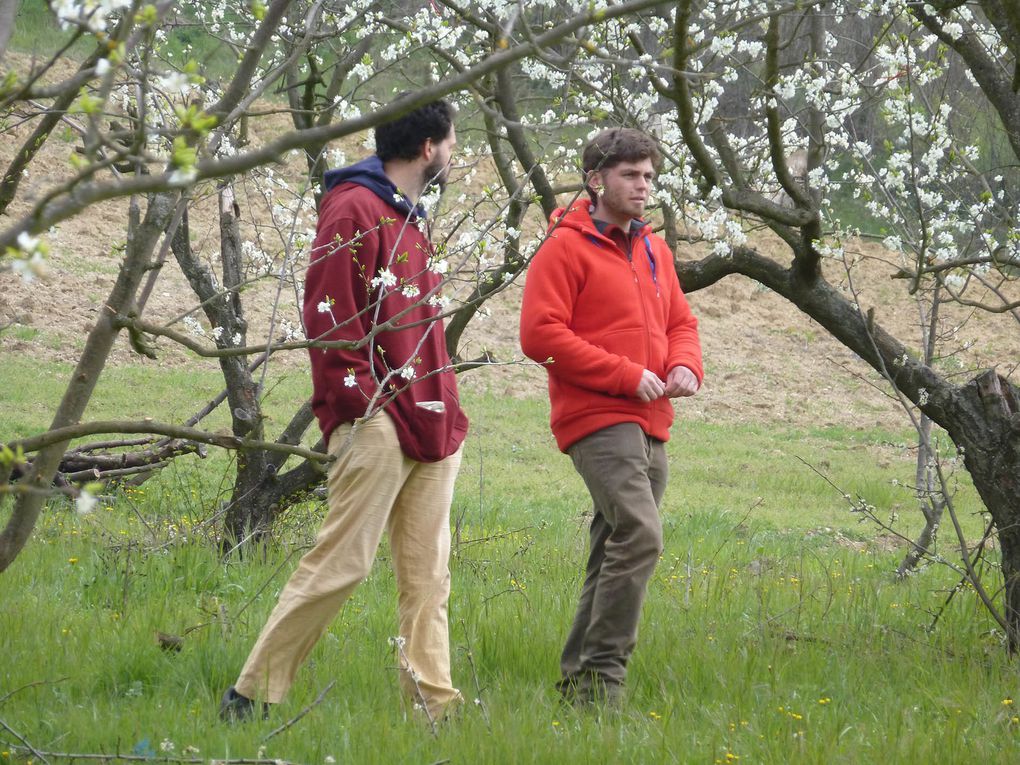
{"x": 625, "y": 472}
{"x": 372, "y": 488}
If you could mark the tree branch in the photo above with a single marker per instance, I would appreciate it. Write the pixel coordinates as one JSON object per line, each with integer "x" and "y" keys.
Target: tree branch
{"x": 67, "y": 433}
{"x": 66, "y": 204}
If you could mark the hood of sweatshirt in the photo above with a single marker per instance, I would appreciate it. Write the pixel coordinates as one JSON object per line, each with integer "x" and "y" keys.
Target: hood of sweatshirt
{"x": 370, "y": 174}
{"x": 578, "y": 216}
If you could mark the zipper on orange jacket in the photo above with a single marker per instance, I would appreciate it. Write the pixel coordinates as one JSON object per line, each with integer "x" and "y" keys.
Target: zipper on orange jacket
{"x": 641, "y": 301}
{"x": 637, "y": 285}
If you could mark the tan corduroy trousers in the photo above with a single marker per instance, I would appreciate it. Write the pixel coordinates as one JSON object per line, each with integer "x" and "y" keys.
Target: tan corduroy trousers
{"x": 372, "y": 488}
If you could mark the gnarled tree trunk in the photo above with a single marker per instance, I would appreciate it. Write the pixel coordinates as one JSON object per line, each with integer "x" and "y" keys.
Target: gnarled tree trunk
{"x": 260, "y": 492}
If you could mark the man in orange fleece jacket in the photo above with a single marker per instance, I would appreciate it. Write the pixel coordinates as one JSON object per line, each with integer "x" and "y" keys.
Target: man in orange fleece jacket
{"x": 603, "y": 308}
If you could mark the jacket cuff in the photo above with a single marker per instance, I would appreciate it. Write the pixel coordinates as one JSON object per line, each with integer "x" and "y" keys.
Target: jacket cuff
{"x": 629, "y": 380}
{"x": 696, "y": 369}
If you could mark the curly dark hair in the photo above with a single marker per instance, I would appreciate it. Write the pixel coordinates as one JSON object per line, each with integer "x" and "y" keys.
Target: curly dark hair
{"x": 615, "y": 145}
{"x": 403, "y": 137}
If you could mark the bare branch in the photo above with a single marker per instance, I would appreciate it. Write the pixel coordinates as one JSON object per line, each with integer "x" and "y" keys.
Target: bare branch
{"x": 64, "y": 434}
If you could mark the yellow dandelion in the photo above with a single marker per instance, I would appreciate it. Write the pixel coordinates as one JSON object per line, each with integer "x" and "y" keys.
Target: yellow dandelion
{"x": 1007, "y": 702}
{"x": 655, "y": 715}
{"x": 824, "y": 700}
{"x": 72, "y": 561}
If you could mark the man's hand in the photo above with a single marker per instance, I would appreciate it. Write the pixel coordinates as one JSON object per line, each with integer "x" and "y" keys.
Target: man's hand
{"x": 650, "y": 387}
{"x": 681, "y": 382}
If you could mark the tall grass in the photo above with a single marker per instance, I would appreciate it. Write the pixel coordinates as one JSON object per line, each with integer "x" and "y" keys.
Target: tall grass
{"x": 773, "y": 632}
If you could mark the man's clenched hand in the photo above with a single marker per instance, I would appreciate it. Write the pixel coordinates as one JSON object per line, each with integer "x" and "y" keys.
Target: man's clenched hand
{"x": 681, "y": 382}
{"x": 650, "y": 387}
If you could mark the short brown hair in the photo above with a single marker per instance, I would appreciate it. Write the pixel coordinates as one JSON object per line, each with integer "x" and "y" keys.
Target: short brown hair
{"x": 615, "y": 145}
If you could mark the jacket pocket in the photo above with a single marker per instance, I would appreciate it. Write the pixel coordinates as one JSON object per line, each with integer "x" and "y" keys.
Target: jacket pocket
{"x": 631, "y": 343}
{"x": 430, "y": 431}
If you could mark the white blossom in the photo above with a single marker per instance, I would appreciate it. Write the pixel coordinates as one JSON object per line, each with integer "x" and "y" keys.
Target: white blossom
{"x": 27, "y": 243}
{"x": 386, "y": 278}
{"x": 954, "y": 29}
{"x": 85, "y": 502}
{"x": 182, "y": 176}
{"x": 174, "y": 82}
{"x": 193, "y": 326}
{"x": 439, "y": 301}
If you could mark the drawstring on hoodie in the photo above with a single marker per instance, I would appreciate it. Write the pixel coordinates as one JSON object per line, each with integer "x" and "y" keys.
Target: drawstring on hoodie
{"x": 651, "y": 264}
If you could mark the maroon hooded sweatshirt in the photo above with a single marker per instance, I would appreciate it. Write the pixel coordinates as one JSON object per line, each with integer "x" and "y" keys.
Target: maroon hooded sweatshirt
{"x": 369, "y": 268}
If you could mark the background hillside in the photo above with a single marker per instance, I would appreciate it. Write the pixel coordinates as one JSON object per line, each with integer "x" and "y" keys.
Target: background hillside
{"x": 765, "y": 361}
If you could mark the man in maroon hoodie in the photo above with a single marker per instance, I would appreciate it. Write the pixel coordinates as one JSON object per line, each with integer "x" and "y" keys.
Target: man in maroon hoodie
{"x": 603, "y": 304}
{"x": 387, "y": 404}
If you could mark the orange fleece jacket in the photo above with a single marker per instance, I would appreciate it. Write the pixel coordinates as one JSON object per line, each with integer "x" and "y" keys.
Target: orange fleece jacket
{"x": 601, "y": 316}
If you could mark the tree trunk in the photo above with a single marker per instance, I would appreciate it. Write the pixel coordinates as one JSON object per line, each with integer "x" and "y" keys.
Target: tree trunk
{"x": 259, "y": 494}
{"x": 35, "y": 488}
{"x": 986, "y": 427}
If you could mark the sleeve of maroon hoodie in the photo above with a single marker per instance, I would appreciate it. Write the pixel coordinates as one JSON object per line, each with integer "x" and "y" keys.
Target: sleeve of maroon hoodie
{"x": 550, "y": 292}
{"x": 343, "y": 262}
{"x": 681, "y": 325}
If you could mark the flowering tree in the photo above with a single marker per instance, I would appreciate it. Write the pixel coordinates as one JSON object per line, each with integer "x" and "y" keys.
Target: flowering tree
{"x": 156, "y": 131}
{"x": 778, "y": 117}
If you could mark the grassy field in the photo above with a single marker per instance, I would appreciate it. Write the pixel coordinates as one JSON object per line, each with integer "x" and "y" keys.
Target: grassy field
{"x": 774, "y": 631}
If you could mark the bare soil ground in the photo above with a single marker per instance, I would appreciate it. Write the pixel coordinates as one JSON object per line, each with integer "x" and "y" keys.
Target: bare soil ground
{"x": 766, "y": 362}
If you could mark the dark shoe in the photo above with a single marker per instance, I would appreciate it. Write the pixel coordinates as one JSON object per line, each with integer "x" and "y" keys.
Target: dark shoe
{"x": 235, "y": 708}
{"x": 605, "y": 694}
{"x": 591, "y": 691}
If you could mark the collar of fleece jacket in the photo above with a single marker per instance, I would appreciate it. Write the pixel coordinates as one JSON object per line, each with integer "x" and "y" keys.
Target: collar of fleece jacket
{"x": 578, "y": 216}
